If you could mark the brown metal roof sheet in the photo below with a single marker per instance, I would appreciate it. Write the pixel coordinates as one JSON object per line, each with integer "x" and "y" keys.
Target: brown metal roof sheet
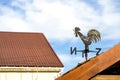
{"x": 26, "y": 49}
{"x": 94, "y": 66}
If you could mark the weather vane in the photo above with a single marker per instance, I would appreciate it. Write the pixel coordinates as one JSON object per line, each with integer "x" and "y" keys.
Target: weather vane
{"x": 93, "y": 36}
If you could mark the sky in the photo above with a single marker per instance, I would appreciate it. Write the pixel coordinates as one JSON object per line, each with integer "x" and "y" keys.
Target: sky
{"x": 57, "y": 19}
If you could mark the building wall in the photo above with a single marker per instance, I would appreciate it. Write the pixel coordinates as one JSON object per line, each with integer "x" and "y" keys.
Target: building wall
{"x": 29, "y": 73}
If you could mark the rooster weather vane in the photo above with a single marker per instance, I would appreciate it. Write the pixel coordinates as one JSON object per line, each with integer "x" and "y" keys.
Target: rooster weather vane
{"x": 93, "y": 36}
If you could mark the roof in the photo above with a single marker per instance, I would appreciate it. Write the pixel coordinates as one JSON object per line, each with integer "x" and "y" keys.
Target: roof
{"x": 26, "y": 49}
{"x": 94, "y": 66}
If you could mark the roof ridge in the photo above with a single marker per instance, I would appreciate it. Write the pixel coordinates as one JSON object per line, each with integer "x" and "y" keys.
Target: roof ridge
{"x": 21, "y": 32}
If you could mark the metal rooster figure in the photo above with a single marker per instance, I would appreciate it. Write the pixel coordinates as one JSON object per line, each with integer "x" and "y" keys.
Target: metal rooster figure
{"x": 93, "y": 36}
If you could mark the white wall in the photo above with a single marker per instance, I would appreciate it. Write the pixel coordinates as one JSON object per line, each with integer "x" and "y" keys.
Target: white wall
{"x": 28, "y": 75}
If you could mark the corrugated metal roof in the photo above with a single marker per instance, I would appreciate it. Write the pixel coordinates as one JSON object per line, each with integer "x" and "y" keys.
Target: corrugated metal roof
{"x": 26, "y": 49}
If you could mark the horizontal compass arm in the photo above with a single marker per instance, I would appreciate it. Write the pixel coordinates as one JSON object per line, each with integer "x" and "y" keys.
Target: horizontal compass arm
{"x": 92, "y": 51}
{"x": 80, "y": 50}
{"x": 97, "y": 52}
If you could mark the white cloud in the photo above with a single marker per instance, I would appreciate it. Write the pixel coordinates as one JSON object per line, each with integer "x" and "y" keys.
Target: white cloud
{"x": 56, "y": 19}
{"x": 110, "y": 19}
{"x": 12, "y": 21}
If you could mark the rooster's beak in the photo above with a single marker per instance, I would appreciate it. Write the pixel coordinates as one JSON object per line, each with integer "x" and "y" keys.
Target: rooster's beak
{"x": 76, "y": 35}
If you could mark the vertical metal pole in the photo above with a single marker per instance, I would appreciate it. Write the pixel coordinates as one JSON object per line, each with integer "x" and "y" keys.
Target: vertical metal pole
{"x": 21, "y": 74}
{"x": 37, "y": 74}
{"x": 6, "y": 76}
{"x": 0, "y": 76}
{"x": 86, "y": 56}
{"x": 32, "y": 75}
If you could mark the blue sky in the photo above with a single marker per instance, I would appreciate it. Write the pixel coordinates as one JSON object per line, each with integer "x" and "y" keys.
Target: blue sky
{"x": 57, "y": 19}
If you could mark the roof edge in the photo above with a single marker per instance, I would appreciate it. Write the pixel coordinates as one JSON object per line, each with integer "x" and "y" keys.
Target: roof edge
{"x": 53, "y": 50}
